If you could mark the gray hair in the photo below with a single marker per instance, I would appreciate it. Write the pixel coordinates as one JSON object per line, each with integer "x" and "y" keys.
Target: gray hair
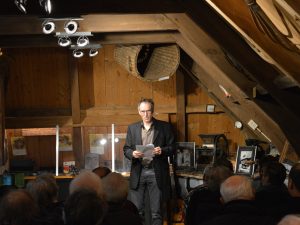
{"x": 87, "y": 180}
{"x": 237, "y": 187}
{"x": 115, "y": 187}
{"x": 146, "y": 100}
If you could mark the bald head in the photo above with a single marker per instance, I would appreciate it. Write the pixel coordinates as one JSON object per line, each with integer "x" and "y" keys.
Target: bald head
{"x": 237, "y": 188}
{"x": 290, "y": 220}
{"x": 87, "y": 180}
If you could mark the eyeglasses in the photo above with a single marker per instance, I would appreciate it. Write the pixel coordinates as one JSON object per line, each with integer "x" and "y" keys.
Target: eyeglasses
{"x": 146, "y": 111}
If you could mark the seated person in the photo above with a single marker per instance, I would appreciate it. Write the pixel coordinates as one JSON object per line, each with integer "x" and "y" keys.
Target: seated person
{"x": 273, "y": 196}
{"x": 44, "y": 191}
{"x": 294, "y": 189}
{"x": 203, "y": 203}
{"x": 120, "y": 210}
{"x": 84, "y": 207}
{"x": 290, "y": 220}
{"x": 17, "y": 207}
{"x": 239, "y": 207}
{"x": 101, "y": 171}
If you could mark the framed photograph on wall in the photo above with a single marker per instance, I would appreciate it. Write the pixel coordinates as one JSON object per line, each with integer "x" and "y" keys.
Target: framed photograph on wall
{"x": 245, "y": 160}
{"x": 185, "y": 155}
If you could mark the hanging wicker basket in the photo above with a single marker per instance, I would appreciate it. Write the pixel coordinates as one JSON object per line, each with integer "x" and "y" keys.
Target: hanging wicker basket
{"x": 149, "y": 62}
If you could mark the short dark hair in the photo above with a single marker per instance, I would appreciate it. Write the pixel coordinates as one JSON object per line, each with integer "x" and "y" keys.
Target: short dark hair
{"x": 294, "y": 175}
{"x": 146, "y": 100}
{"x": 275, "y": 172}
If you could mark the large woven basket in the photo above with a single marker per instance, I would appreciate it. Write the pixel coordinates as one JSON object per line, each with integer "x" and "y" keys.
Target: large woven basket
{"x": 149, "y": 62}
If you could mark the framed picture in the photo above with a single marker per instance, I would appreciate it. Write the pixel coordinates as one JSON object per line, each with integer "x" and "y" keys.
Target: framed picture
{"x": 185, "y": 155}
{"x": 245, "y": 160}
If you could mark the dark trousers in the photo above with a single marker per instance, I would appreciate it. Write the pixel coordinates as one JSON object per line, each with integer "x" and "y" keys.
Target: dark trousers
{"x": 148, "y": 183}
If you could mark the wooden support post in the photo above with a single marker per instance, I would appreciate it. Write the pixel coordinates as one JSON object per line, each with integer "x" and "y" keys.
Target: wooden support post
{"x": 180, "y": 107}
{"x": 77, "y": 147}
{"x": 284, "y": 151}
{"x": 75, "y": 98}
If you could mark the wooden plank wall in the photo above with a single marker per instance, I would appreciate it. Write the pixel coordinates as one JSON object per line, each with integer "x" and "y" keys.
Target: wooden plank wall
{"x": 39, "y": 95}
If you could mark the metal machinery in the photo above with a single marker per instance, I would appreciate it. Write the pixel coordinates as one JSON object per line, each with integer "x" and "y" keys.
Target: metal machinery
{"x": 214, "y": 146}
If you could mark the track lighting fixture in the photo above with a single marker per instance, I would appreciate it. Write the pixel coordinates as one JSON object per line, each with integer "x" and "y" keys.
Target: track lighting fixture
{"x": 64, "y": 41}
{"x": 82, "y": 41}
{"x": 21, "y": 4}
{"x": 71, "y": 27}
{"x": 77, "y": 53}
{"x": 48, "y": 27}
{"x": 46, "y": 4}
{"x": 93, "y": 52}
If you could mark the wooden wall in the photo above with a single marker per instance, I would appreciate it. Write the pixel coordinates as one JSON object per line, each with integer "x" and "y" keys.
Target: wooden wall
{"x": 39, "y": 95}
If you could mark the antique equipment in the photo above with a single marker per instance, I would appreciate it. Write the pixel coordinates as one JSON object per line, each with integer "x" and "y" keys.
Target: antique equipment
{"x": 214, "y": 146}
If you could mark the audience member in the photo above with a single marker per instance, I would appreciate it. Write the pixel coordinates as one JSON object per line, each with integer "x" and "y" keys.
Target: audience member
{"x": 87, "y": 180}
{"x": 84, "y": 207}
{"x": 119, "y": 212}
{"x": 290, "y": 220}
{"x": 294, "y": 189}
{"x": 273, "y": 196}
{"x": 203, "y": 203}
{"x": 239, "y": 208}
{"x": 17, "y": 207}
{"x": 44, "y": 191}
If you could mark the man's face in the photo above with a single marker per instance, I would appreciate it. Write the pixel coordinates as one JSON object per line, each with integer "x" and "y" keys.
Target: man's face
{"x": 145, "y": 112}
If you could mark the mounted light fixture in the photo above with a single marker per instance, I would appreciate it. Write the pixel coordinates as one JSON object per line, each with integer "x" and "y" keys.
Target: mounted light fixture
{"x": 77, "y": 53}
{"x": 82, "y": 41}
{"x": 93, "y": 52}
{"x": 71, "y": 27}
{"x": 64, "y": 41}
{"x": 46, "y": 4}
{"x": 21, "y": 4}
{"x": 48, "y": 27}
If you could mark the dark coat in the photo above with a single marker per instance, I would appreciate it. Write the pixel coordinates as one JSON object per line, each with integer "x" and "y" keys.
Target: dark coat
{"x": 164, "y": 138}
{"x": 273, "y": 200}
{"x": 240, "y": 212}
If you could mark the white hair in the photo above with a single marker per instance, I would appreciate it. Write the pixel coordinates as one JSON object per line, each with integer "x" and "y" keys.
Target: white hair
{"x": 237, "y": 187}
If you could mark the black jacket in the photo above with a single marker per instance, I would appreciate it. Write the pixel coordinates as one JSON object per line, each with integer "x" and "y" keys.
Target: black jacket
{"x": 164, "y": 138}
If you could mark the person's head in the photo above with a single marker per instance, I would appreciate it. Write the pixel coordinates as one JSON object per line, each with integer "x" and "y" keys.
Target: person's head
{"x": 84, "y": 207}
{"x": 146, "y": 109}
{"x": 101, "y": 171}
{"x": 264, "y": 160}
{"x": 273, "y": 173}
{"x": 87, "y": 180}
{"x": 290, "y": 220}
{"x": 237, "y": 187}
{"x": 17, "y": 207}
{"x": 43, "y": 189}
{"x": 215, "y": 175}
{"x": 115, "y": 187}
{"x": 294, "y": 180}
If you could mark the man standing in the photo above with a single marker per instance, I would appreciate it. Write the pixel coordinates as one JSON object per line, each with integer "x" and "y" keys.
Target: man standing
{"x": 152, "y": 175}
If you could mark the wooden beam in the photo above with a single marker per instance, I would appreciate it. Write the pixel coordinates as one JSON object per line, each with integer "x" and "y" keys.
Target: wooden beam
{"x": 75, "y": 98}
{"x": 78, "y": 147}
{"x": 180, "y": 107}
{"x": 96, "y": 23}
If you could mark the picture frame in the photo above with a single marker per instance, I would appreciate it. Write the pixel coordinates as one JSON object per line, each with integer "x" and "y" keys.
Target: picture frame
{"x": 185, "y": 156}
{"x": 245, "y": 160}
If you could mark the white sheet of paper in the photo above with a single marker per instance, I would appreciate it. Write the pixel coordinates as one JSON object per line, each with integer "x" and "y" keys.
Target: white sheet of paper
{"x": 146, "y": 149}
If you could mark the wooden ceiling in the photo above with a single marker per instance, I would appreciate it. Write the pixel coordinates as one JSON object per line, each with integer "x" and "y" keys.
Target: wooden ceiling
{"x": 245, "y": 53}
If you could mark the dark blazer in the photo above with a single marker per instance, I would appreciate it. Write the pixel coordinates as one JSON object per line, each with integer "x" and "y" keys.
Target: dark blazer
{"x": 164, "y": 138}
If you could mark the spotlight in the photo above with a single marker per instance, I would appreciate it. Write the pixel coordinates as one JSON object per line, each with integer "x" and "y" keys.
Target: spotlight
{"x": 48, "y": 27}
{"x": 21, "y": 4}
{"x": 71, "y": 27}
{"x": 77, "y": 53}
{"x": 82, "y": 41}
{"x": 46, "y": 4}
{"x": 64, "y": 41}
{"x": 93, "y": 52}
